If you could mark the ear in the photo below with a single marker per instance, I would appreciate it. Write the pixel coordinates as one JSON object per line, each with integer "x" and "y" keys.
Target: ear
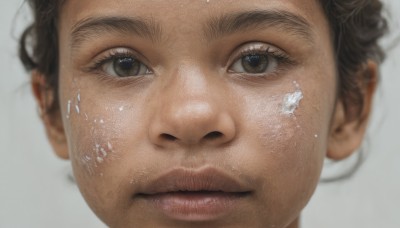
{"x": 52, "y": 121}
{"x": 346, "y": 135}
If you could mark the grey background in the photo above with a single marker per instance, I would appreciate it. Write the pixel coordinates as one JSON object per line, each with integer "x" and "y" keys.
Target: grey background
{"x": 35, "y": 190}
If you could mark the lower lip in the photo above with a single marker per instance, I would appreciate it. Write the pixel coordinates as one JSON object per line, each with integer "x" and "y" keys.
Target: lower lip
{"x": 195, "y": 206}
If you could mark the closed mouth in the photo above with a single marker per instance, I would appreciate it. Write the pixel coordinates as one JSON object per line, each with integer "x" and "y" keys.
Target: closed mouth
{"x": 194, "y": 195}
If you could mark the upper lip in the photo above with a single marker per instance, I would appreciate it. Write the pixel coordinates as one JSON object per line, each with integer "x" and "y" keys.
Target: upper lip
{"x": 186, "y": 180}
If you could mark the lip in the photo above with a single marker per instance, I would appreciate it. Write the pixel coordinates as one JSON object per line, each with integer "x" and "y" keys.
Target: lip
{"x": 194, "y": 195}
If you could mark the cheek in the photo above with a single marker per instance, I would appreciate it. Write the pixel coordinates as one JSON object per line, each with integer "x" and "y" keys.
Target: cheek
{"x": 99, "y": 127}
{"x": 289, "y": 139}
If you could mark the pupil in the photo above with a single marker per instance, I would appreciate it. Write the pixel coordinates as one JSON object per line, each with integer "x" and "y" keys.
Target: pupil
{"x": 126, "y": 67}
{"x": 255, "y": 63}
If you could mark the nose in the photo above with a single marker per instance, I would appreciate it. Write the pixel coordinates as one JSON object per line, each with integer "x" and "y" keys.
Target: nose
{"x": 192, "y": 112}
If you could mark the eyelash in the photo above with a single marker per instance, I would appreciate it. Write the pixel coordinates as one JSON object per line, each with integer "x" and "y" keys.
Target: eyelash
{"x": 279, "y": 56}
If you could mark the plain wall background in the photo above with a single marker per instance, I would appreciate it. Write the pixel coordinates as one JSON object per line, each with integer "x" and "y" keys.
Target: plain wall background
{"x": 35, "y": 190}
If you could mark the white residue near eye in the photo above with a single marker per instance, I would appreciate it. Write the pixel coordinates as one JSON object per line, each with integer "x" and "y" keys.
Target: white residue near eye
{"x": 68, "y": 108}
{"x": 291, "y": 101}
{"x": 79, "y": 97}
{"x": 109, "y": 146}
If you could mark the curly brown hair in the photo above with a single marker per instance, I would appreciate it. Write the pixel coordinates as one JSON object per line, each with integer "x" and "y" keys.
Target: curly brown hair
{"x": 356, "y": 26}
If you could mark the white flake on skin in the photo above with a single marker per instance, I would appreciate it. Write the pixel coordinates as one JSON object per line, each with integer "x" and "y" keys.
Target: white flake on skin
{"x": 77, "y": 109}
{"x": 103, "y": 152}
{"x": 68, "y": 108}
{"x": 100, "y": 160}
{"x": 291, "y": 102}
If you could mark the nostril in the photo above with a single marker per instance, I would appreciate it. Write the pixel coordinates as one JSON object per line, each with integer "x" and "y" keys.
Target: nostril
{"x": 213, "y": 135}
{"x": 168, "y": 137}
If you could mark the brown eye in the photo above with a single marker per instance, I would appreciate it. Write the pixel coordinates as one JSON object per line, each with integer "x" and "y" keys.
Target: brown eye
{"x": 125, "y": 67}
{"x": 255, "y": 64}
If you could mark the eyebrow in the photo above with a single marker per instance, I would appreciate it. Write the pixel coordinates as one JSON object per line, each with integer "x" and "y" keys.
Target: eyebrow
{"x": 88, "y": 28}
{"x": 258, "y": 19}
{"x": 216, "y": 27}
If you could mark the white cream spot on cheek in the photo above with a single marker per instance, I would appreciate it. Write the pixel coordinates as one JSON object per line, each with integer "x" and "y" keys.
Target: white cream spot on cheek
{"x": 77, "y": 109}
{"x": 101, "y": 153}
{"x": 78, "y": 101}
{"x": 121, "y": 108}
{"x": 68, "y": 108}
{"x": 100, "y": 160}
{"x": 291, "y": 101}
{"x": 316, "y": 136}
{"x": 86, "y": 161}
{"x": 101, "y": 121}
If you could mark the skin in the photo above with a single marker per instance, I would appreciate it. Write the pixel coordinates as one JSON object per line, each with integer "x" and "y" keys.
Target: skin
{"x": 115, "y": 141}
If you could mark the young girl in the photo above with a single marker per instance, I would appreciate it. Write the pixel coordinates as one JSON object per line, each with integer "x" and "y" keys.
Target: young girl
{"x": 208, "y": 113}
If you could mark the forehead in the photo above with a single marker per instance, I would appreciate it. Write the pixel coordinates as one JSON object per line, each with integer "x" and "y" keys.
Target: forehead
{"x": 187, "y": 14}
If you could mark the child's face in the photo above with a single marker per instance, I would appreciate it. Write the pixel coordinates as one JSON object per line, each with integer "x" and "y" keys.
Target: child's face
{"x": 213, "y": 112}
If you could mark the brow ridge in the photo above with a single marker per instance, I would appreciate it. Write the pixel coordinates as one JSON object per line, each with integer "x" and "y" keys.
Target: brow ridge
{"x": 258, "y": 19}
{"x": 91, "y": 27}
